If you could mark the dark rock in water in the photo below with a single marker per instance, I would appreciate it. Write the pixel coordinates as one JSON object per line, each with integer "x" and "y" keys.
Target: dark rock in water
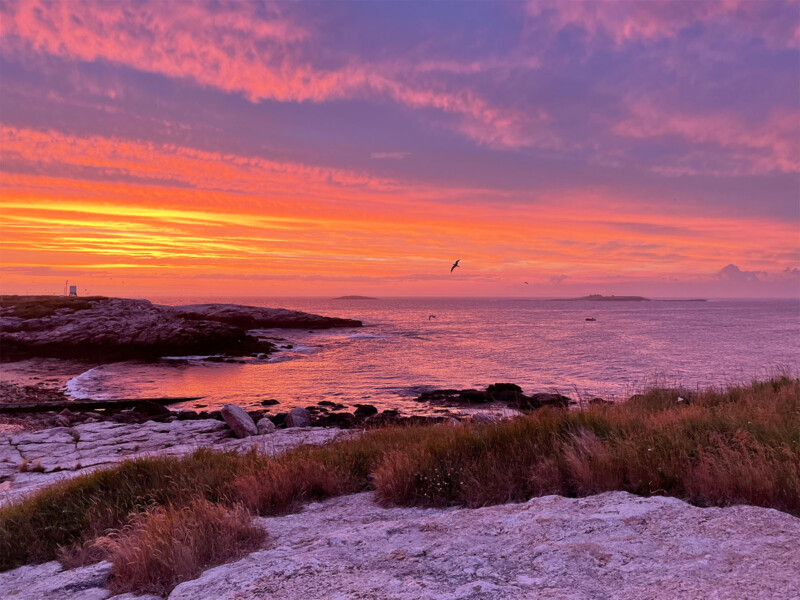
{"x": 239, "y": 421}
{"x": 548, "y": 399}
{"x": 451, "y": 396}
{"x": 187, "y": 415}
{"x": 215, "y": 414}
{"x": 279, "y": 419}
{"x": 365, "y": 410}
{"x": 507, "y": 393}
{"x": 270, "y": 402}
{"x": 256, "y": 414}
{"x": 337, "y": 419}
{"x": 298, "y": 417}
{"x": 152, "y": 409}
{"x": 333, "y": 405}
{"x": 474, "y": 397}
{"x": 504, "y": 387}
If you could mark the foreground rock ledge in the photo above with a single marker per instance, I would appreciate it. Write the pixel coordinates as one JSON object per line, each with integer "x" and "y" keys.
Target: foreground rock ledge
{"x": 610, "y": 546}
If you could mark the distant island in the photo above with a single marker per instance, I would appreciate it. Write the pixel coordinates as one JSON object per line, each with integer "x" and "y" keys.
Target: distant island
{"x": 355, "y": 298}
{"x": 601, "y": 298}
{"x": 612, "y": 298}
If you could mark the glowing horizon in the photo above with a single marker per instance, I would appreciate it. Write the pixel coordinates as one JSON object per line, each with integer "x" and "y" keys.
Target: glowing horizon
{"x": 279, "y": 149}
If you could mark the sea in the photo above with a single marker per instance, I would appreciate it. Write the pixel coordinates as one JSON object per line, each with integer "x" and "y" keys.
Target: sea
{"x": 410, "y": 345}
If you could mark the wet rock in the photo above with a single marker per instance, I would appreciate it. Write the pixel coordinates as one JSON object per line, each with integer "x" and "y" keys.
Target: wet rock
{"x": 270, "y": 402}
{"x": 187, "y": 415}
{"x": 342, "y": 420}
{"x": 548, "y": 399}
{"x": 152, "y": 409}
{"x": 256, "y": 415}
{"x": 265, "y": 426}
{"x": 239, "y": 421}
{"x": 298, "y": 417}
{"x": 365, "y": 410}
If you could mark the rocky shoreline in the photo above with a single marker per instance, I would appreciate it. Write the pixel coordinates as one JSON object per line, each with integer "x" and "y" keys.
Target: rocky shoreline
{"x": 110, "y": 329}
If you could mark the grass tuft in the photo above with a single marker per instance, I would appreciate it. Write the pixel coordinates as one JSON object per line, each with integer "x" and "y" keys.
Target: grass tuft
{"x": 167, "y": 545}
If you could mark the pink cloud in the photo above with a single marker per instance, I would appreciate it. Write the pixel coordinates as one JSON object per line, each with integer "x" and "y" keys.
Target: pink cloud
{"x": 634, "y": 20}
{"x": 772, "y": 145}
{"x": 236, "y": 50}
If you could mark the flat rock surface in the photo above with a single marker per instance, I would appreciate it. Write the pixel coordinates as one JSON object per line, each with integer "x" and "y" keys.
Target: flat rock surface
{"x": 613, "y": 546}
{"x": 609, "y": 546}
{"x": 32, "y": 459}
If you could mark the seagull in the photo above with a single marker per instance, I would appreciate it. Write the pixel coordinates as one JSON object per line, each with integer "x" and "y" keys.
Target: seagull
{"x": 526, "y": 283}
{"x": 455, "y": 264}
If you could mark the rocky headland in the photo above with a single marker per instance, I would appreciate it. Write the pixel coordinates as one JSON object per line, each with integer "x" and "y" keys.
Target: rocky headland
{"x": 108, "y": 329}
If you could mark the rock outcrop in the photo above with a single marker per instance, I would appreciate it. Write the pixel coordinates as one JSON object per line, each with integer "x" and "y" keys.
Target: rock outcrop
{"x": 108, "y": 329}
{"x": 256, "y": 317}
{"x": 613, "y": 546}
{"x": 506, "y": 393}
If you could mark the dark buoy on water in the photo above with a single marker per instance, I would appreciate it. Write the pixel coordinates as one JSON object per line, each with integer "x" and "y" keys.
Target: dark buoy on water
{"x": 591, "y": 319}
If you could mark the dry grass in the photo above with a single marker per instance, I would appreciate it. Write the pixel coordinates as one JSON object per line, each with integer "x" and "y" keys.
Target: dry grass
{"x": 740, "y": 445}
{"x": 35, "y": 307}
{"x": 166, "y": 545}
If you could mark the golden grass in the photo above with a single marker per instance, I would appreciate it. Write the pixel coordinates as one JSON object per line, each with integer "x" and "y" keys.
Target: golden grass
{"x": 166, "y": 545}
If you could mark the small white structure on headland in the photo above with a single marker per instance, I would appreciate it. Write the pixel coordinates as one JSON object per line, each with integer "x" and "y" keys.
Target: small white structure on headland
{"x": 73, "y": 290}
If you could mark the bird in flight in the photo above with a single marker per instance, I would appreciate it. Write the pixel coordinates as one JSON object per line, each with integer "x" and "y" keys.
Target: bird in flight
{"x": 526, "y": 283}
{"x": 431, "y": 317}
{"x": 455, "y": 264}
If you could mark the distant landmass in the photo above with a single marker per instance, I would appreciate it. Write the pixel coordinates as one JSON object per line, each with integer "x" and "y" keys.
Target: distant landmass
{"x": 355, "y": 298}
{"x": 601, "y": 298}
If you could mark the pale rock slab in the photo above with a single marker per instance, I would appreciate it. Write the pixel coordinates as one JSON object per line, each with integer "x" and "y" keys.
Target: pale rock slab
{"x": 613, "y": 546}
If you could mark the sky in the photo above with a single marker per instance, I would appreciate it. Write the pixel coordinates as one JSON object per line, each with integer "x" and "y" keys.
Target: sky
{"x": 273, "y": 149}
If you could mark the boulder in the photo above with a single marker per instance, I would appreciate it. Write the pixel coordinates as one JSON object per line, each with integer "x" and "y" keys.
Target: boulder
{"x": 239, "y": 421}
{"x": 265, "y": 426}
{"x": 365, "y": 410}
{"x": 298, "y": 417}
{"x": 548, "y": 399}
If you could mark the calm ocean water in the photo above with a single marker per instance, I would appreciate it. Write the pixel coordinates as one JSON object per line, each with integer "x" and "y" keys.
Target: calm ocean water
{"x": 540, "y": 345}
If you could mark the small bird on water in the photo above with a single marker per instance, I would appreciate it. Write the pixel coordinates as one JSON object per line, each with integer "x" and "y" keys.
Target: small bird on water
{"x": 455, "y": 264}
{"x": 431, "y": 317}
